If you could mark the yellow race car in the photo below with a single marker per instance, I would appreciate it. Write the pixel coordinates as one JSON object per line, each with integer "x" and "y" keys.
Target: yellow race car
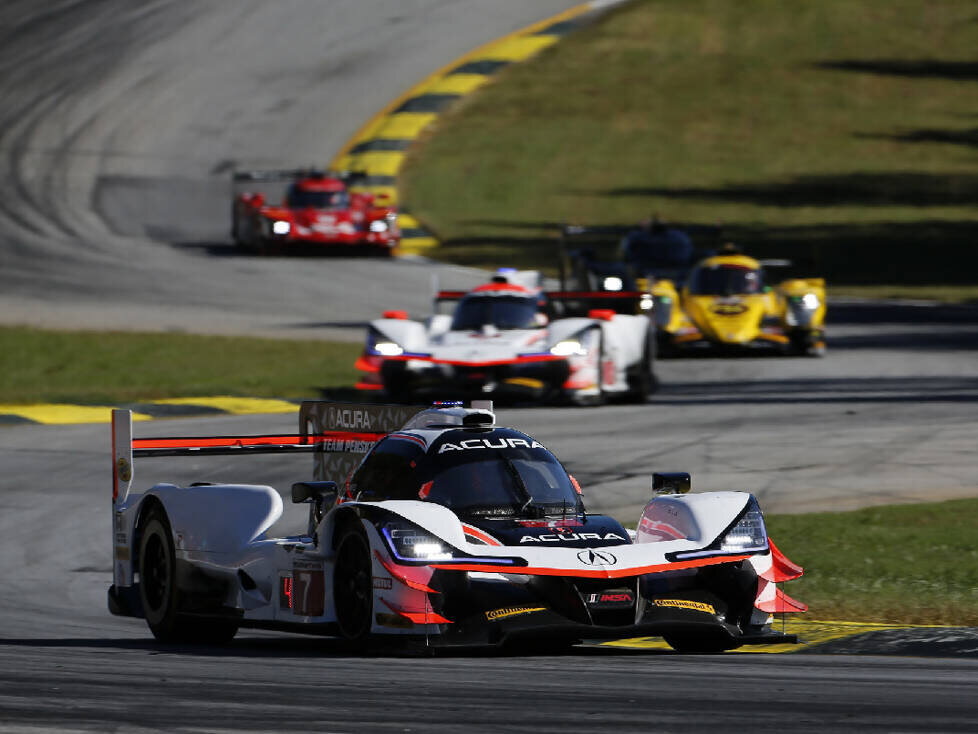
{"x": 725, "y": 303}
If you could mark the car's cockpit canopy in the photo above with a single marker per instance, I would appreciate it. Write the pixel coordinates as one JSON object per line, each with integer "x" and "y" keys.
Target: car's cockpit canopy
{"x": 315, "y": 195}
{"x": 477, "y": 472}
{"x": 517, "y": 311}
{"x": 725, "y": 280}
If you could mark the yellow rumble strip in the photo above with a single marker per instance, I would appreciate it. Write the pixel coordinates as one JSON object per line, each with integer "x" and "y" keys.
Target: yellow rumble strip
{"x": 810, "y": 633}
{"x": 58, "y": 413}
{"x": 394, "y": 128}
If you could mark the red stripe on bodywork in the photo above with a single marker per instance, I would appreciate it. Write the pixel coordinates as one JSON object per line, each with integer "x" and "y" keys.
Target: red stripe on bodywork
{"x": 604, "y": 573}
{"x": 417, "y": 617}
{"x": 393, "y": 571}
{"x": 781, "y": 603}
{"x": 781, "y": 568}
{"x": 368, "y": 386}
{"x": 368, "y": 363}
{"x": 284, "y": 440}
{"x": 476, "y": 533}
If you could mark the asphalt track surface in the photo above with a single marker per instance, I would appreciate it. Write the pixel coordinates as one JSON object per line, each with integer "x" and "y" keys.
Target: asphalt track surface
{"x": 120, "y": 123}
{"x": 131, "y": 114}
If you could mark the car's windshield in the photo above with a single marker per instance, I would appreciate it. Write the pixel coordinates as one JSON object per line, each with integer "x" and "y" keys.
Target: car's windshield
{"x": 724, "y": 280}
{"x": 475, "y": 479}
{"x": 303, "y": 199}
{"x": 503, "y": 312}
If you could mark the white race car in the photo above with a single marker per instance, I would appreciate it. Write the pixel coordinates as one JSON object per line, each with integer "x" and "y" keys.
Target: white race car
{"x": 450, "y": 531}
{"x": 511, "y": 339}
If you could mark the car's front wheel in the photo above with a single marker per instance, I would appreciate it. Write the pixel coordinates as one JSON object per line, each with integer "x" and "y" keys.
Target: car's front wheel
{"x": 353, "y": 585}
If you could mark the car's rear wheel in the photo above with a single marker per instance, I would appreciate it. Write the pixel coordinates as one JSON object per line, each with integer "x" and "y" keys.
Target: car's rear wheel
{"x": 700, "y": 642}
{"x": 353, "y": 585}
{"x": 160, "y": 594}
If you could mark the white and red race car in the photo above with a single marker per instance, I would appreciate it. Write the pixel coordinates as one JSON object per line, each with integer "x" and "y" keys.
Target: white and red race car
{"x": 450, "y": 530}
{"x": 511, "y": 339}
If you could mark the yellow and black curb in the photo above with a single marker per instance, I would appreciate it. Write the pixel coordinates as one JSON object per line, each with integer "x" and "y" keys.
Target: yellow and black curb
{"x": 64, "y": 413}
{"x": 379, "y": 147}
{"x": 816, "y": 636}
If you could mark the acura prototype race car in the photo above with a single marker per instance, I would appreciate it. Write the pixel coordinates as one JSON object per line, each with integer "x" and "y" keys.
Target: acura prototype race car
{"x": 447, "y": 530}
{"x": 319, "y": 210}
{"x": 510, "y": 339}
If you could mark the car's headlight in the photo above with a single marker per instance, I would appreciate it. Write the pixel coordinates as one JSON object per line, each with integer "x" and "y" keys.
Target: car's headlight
{"x": 280, "y": 226}
{"x": 809, "y": 301}
{"x": 408, "y": 542}
{"x": 612, "y": 283}
{"x": 388, "y": 349}
{"x": 749, "y": 534}
{"x": 378, "y": 225}
{"x": 568, "y": 348}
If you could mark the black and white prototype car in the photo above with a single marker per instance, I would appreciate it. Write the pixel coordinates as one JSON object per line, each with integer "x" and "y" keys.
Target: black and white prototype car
{"x": 449, "y": 531}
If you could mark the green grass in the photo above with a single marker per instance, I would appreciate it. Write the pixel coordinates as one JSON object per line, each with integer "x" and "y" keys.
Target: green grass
{"x": 903, "y": 564}
{"x": 941, "y": 293}
{"x": 838, "y": 133}
{"x": 112, "y": 367}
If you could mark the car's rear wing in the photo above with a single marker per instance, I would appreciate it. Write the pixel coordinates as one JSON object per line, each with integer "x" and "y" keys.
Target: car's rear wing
{"x": 290, "y": 174}
{"x": 338, "y": 434}
{"x": 578, "y": 303}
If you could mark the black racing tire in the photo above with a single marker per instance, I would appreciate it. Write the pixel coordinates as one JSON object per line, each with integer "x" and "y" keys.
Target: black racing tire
{"x": 643, "y": 382}
{"x": 353, "y": 591}
{"x": 805, "y": 344}
{"x": 160, "y": 594}
{"x": 602, "y": 397}
{"x": 700, "y": 642}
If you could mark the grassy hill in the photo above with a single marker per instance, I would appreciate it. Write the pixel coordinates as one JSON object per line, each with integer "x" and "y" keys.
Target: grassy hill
{"x": 840, "y": 133}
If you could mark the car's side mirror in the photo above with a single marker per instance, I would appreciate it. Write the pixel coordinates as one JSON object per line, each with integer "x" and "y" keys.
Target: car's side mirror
{"x": 307, "y": 491}
{"x": 319, "y": 495}
{"x": 678, "y": 482}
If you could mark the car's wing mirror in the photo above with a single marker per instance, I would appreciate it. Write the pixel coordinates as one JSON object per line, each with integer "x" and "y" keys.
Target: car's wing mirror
{"x": 319, "y": 495}
{"x": 308, "y": 491}
{"x": 677, "y": 482}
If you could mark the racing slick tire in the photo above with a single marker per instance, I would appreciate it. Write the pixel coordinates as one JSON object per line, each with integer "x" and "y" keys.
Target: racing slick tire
{"x": 160, "y": 595}
{"x": 642, "y": 381}
{"x": 805, "y": 344}
{"x": 353, "y": 590}
{"x": 700, "y": 642}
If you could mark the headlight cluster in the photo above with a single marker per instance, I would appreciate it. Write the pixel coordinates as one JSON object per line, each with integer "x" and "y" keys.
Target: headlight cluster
{"x": 568, "y": 348}
{"x": 749, "y": 534}
{"x": 801, "y": 309}
{"x": 612, "y": 283}
{"x": 280, "y": 226}
{"x": 388, "y": 349}
{"x": 410, "y": 543}
{"x": 378, "y": 225}
{"x": 378, "y": 343}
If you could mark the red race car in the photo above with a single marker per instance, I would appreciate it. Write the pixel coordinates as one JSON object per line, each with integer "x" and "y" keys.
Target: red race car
{"x": 318, "y": 211}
